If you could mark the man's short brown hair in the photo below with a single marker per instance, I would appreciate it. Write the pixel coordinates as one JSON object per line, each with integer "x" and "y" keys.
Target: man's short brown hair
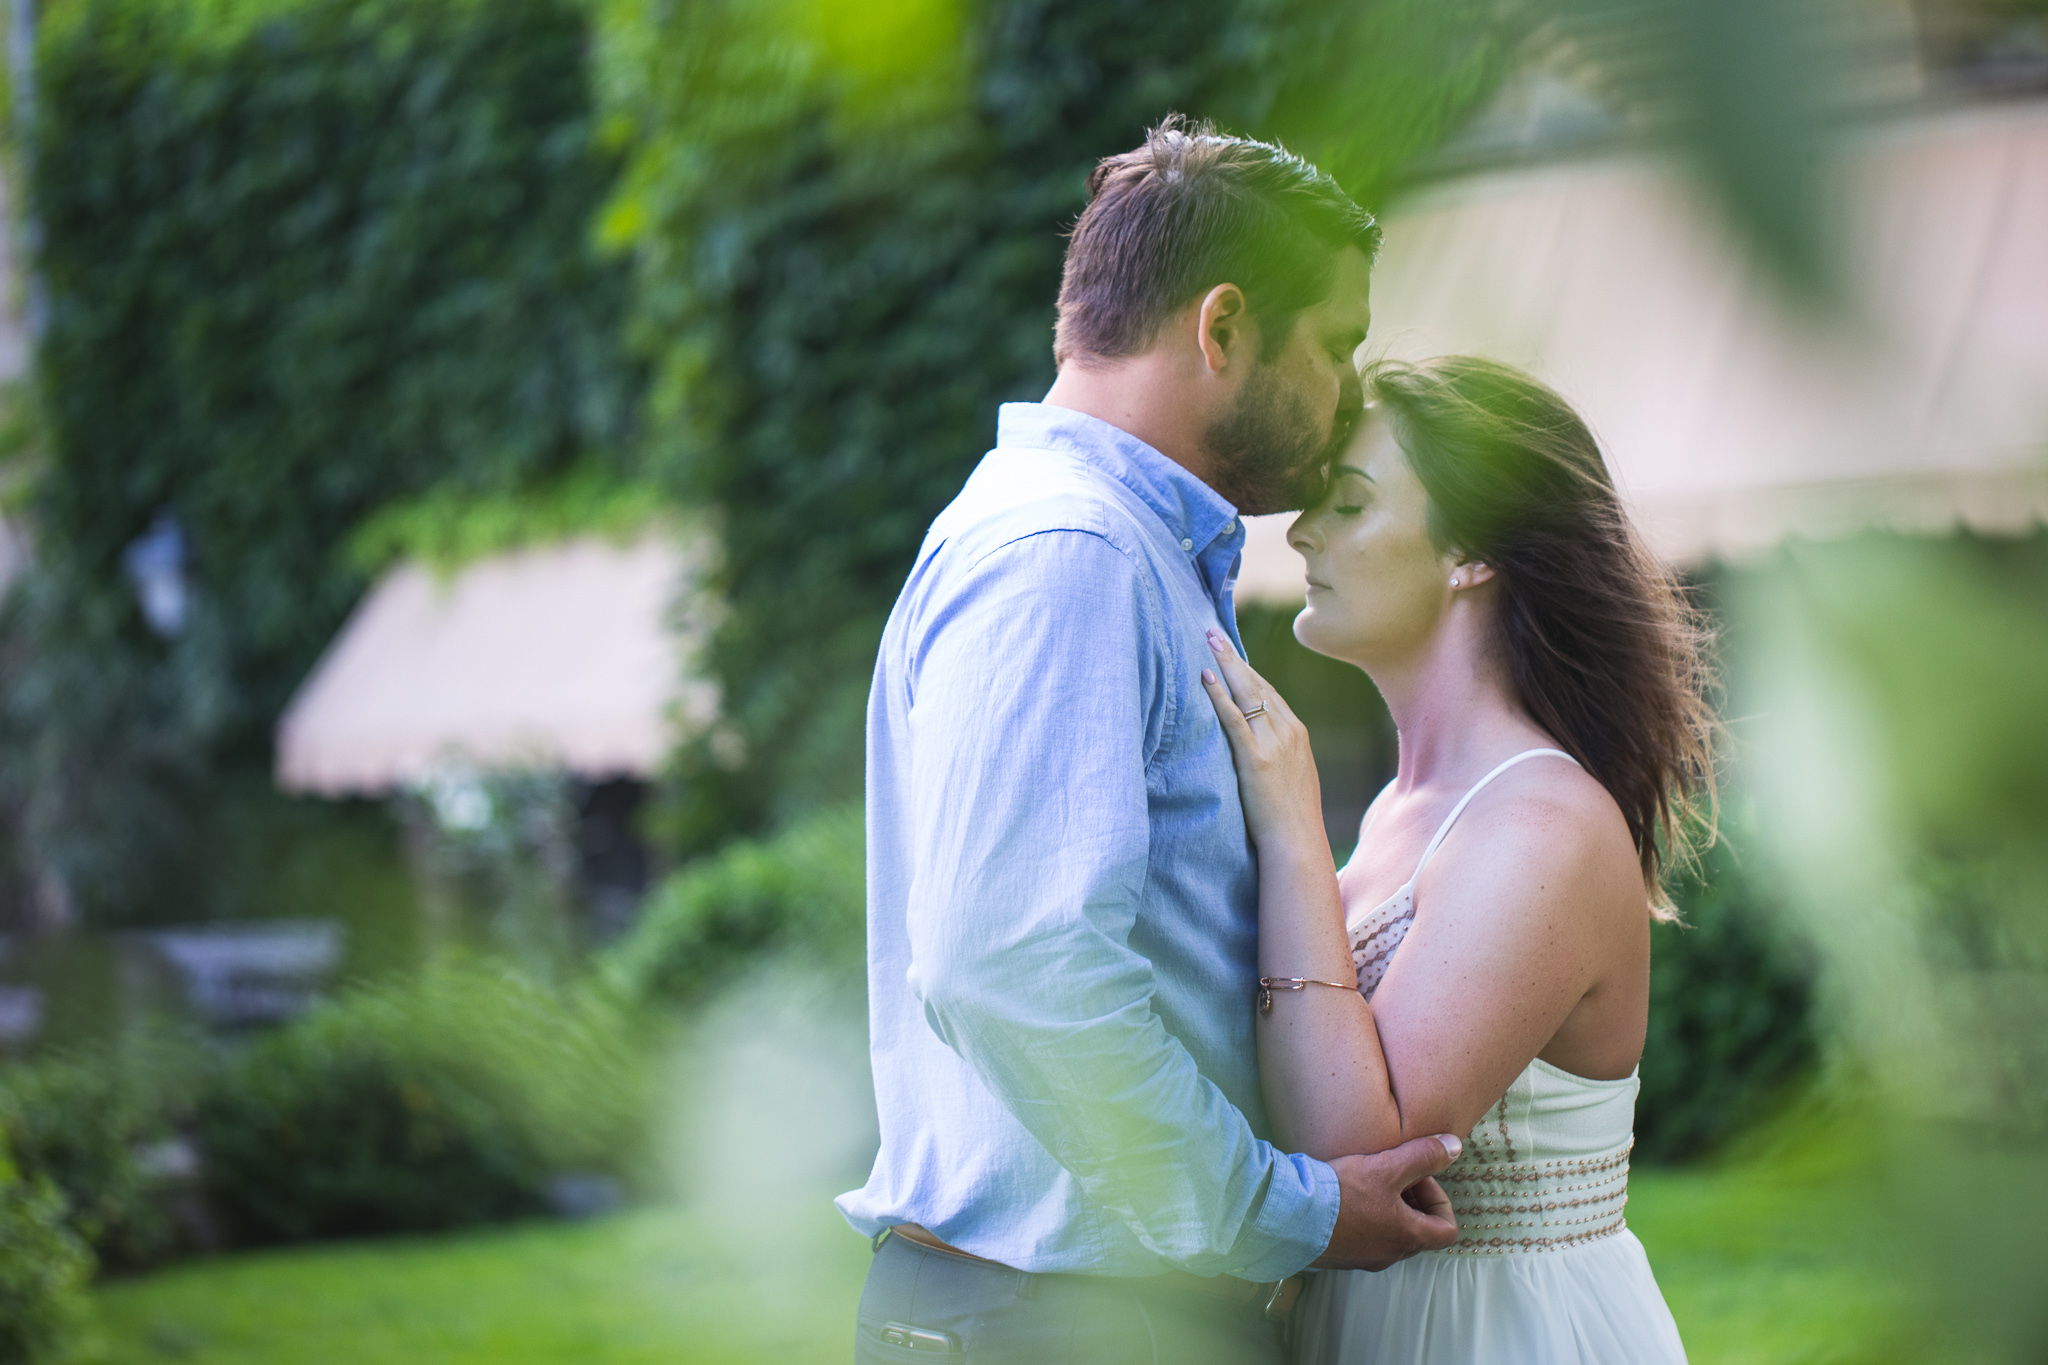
{"x": 1189, "y": 210}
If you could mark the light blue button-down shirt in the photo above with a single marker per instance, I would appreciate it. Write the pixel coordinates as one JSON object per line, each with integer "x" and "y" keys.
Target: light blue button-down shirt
{"x": 1062, "y": 898}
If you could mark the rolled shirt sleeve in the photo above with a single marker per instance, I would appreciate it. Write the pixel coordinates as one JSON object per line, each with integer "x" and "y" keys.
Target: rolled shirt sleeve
{"x": 1037, "y": 699}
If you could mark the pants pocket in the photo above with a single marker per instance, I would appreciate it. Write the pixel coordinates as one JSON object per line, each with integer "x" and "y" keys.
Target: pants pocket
{"x": 871, "y": 1347}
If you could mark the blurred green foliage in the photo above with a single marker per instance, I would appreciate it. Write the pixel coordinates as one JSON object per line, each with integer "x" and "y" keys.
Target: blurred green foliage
{"x": 847, "y": 254}
{"x": 1731, "y": 1032}
{"x": 1899, "y": 760}
{"x": 1900, "y": 733}
{"x": 304, "y": 259}
{"x": 1753, "y": 92}
{"x": 449, "y": 526}
{"x": 43, "y": 1270}
{"x": 425, "y": 1103}
{"x": 455, "y": 1096}
{"x": 79, "y": 1122}
{"x": 800, "y": 895}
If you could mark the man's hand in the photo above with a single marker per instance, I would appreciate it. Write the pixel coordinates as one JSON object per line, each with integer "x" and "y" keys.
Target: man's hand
{"x": 1392, "y": 1207}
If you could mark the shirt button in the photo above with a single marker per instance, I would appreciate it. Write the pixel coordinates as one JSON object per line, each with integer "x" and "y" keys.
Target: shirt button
{"x": 1230, "y": 529}
{"x": 1187, "y": 545}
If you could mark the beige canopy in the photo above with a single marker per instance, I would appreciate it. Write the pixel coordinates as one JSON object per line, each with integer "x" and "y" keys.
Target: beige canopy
{"x": 1730, "y": 421}
{"x": 568, "y": 657}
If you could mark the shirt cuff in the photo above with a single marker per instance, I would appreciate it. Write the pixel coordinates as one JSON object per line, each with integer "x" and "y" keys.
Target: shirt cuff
{"x": 1295, "y": 1221}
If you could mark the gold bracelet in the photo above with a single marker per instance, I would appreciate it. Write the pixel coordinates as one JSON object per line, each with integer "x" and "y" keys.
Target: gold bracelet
{"x": 1269, "y": 984}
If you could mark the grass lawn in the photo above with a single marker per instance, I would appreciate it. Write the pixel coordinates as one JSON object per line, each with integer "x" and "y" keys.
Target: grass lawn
{"x": 1766, "y": 1261}
{"x": 1760, "y": 1265}
{"x": 652, "y": 1286}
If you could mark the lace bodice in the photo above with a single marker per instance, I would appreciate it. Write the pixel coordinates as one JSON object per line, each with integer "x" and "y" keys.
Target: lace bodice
{"x": 1547, "y": 1167}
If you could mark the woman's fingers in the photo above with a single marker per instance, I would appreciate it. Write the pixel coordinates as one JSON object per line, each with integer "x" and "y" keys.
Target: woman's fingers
{"x": 1246, "y": 686}
{"x": 1227, "y": 710}
{"x": 1267, "y": 748}
{"x": 1226, "y": 657}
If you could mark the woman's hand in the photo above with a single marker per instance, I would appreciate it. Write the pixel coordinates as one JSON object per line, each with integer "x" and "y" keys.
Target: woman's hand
{"x": 1276, "y": 771}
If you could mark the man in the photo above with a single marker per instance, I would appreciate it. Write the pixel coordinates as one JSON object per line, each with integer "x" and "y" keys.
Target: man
{"x": 1062, "y": 900}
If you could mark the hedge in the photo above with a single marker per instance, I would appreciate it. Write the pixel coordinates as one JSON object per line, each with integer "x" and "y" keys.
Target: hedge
{"x": 800, "y": 895}
{"x": 80, "y": 1122}
{"x": 455, "y": 1098}
{"x": 43, "y": 1270}
{"x": 1732, "y": 1027}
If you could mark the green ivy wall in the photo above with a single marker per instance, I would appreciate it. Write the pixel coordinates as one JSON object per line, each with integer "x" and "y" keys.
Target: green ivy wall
{"x": 304, "y": 259}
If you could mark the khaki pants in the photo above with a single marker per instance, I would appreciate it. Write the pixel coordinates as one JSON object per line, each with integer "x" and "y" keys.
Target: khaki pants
{"x": 966, "y": 1312}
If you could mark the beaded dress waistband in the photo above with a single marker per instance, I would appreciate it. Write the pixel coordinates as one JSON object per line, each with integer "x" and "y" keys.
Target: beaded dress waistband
{"x": 1511, "y": 1207}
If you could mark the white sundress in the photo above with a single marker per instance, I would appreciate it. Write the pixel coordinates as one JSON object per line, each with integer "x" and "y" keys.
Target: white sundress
{"x": 1545, "y": 1270}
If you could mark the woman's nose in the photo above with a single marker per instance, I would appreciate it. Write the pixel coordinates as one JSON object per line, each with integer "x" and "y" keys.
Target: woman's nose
{"x": 1303, "y": 536}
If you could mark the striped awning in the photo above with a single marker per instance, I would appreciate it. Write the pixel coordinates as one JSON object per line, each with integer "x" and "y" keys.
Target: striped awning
{"x": 566, "y": 658}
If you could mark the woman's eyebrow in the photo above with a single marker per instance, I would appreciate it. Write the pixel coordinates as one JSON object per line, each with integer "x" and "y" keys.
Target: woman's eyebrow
{"x": 1349, "y": 469}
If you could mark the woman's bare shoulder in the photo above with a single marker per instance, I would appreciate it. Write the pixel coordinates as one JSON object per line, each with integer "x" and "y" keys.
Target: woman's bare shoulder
{"x": 1550, "y": 826}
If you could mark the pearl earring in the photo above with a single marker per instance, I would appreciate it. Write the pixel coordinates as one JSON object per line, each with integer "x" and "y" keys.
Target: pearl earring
{"x": 1455, "y": 583}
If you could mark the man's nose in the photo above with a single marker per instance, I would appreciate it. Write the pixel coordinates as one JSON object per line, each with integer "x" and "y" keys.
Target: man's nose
{"x": 1350, "y": 397}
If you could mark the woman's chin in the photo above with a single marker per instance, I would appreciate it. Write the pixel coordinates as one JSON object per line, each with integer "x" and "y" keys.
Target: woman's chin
{"x": 1312, "y": 630}
{"x": 1325, "y": 632}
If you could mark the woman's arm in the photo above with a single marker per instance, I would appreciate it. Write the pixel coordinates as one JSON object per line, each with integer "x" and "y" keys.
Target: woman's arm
{"x": 1320, "y": 1064}
{"x": 1516, "y": 931}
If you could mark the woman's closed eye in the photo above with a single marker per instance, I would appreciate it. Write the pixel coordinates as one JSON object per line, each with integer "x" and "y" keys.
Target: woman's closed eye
{"x": 1350, "y": 491}
{"x": 1350, "y": 497}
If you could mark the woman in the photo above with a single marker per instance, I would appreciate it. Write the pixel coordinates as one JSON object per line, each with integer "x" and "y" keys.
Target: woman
{"x": 1489, "y": 940}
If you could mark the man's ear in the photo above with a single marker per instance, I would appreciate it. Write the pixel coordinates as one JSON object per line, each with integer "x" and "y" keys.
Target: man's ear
{"x": 1225, "y": 326}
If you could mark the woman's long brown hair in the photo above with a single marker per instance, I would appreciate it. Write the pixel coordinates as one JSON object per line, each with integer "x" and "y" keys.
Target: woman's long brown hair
{"x": 1606, "y": 652}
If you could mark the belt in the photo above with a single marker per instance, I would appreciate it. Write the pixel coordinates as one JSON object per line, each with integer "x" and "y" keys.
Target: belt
{"x": 1276, "y": 1298}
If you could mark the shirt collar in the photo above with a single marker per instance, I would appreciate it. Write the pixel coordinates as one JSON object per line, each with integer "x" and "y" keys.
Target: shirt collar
{"x": 1193, "y": 511}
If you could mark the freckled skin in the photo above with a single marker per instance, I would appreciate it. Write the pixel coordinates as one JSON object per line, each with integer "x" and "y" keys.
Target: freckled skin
{"x": 1531, "y": 934}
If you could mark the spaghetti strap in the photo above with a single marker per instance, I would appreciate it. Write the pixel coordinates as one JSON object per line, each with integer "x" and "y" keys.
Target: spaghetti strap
{"x": 1466, "y": 799}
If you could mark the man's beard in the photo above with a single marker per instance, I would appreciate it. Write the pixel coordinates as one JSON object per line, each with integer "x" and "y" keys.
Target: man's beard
{"x": 1266, "y": 454}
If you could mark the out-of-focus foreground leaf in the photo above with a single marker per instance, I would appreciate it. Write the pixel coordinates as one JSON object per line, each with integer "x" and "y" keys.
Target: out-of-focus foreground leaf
{"x": 1899, "y": 758}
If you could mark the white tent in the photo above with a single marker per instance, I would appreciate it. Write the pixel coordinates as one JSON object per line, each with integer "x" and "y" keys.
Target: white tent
{"x": 1730, "y": 421}
{"x": 569, "y": 657}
